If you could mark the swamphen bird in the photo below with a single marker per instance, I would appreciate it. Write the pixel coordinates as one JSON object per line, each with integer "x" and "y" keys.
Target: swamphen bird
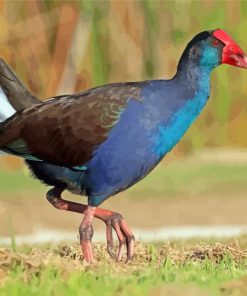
{"x": 103, "y": 140}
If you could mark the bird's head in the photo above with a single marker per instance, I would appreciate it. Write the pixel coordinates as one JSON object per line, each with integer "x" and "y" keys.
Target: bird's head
{"x": 213, "y": 48}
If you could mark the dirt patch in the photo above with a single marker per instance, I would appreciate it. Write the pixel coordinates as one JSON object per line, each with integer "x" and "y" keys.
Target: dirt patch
{"x": 175, "y": 290}
{"x": 237, "y": 287}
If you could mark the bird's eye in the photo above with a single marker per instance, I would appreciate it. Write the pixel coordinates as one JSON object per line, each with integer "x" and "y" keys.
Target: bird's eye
{"x": 215, "y": 43}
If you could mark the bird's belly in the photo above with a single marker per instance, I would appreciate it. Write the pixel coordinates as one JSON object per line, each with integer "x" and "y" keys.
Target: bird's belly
{"x": 116, "y": 168}
{"x": 109, "y": 181}
{"x": 58, "y": 176}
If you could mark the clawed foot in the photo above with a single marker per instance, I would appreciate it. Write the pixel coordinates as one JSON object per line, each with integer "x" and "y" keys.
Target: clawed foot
{"x": 111, "y": 219}
{"x": 125, "y": 237}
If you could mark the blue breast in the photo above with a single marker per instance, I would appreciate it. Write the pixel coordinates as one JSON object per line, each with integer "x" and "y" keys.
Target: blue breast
{"x": 168, "y": 134}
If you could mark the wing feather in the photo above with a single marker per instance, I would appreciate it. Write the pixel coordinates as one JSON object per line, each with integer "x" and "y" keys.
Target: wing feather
{"x": 67, "y": 130}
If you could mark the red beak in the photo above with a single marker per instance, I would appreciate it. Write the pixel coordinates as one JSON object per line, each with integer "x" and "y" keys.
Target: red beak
{"x": 232, "y": 54}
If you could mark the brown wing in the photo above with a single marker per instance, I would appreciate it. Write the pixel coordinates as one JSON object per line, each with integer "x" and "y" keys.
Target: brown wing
{"x": 66, "y": 130}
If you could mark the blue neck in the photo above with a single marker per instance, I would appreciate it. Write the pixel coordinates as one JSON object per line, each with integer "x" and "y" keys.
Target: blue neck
{"x": 194, "y": 88}
{"x": 194, "y": 76}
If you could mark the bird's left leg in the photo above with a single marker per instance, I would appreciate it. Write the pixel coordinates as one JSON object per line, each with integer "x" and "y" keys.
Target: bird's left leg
{"x": 125, "y": 236}
{"x": 85, "y": 228}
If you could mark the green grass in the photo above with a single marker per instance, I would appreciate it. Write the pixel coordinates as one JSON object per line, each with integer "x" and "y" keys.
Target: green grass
{"x": 119, "y": 279}
{"x": 50, "y": 281}
{"x": 14, "y": 181}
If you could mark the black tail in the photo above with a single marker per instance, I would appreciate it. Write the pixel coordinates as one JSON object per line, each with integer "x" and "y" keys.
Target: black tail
{"x": 17, "y": 94}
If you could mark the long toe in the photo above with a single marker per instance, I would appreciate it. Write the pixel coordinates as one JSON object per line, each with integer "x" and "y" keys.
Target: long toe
{"x": 121, "y": 239}
{"x": 130, "y": 240}
{"x": 109, "y": 239}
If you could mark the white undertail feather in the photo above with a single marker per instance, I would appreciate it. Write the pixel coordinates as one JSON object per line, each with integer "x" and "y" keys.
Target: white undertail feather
{"x": 6, "y": 109}
{"x": 18, "y": 146}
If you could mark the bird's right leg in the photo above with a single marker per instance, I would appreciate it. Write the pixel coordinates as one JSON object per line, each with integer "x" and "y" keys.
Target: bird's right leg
{"x": 85, "y": 229}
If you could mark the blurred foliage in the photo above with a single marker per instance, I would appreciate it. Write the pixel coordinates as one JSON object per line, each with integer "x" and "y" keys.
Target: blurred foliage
{"x": 65, "y": 46}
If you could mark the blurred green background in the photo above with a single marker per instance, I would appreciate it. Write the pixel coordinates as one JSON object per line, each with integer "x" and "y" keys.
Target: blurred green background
{"x": 59, "y": 47}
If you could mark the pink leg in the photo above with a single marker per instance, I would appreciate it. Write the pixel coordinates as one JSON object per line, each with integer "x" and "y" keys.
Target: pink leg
{"x": 111, "y": 219}
{"x": 86, "y": 234}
